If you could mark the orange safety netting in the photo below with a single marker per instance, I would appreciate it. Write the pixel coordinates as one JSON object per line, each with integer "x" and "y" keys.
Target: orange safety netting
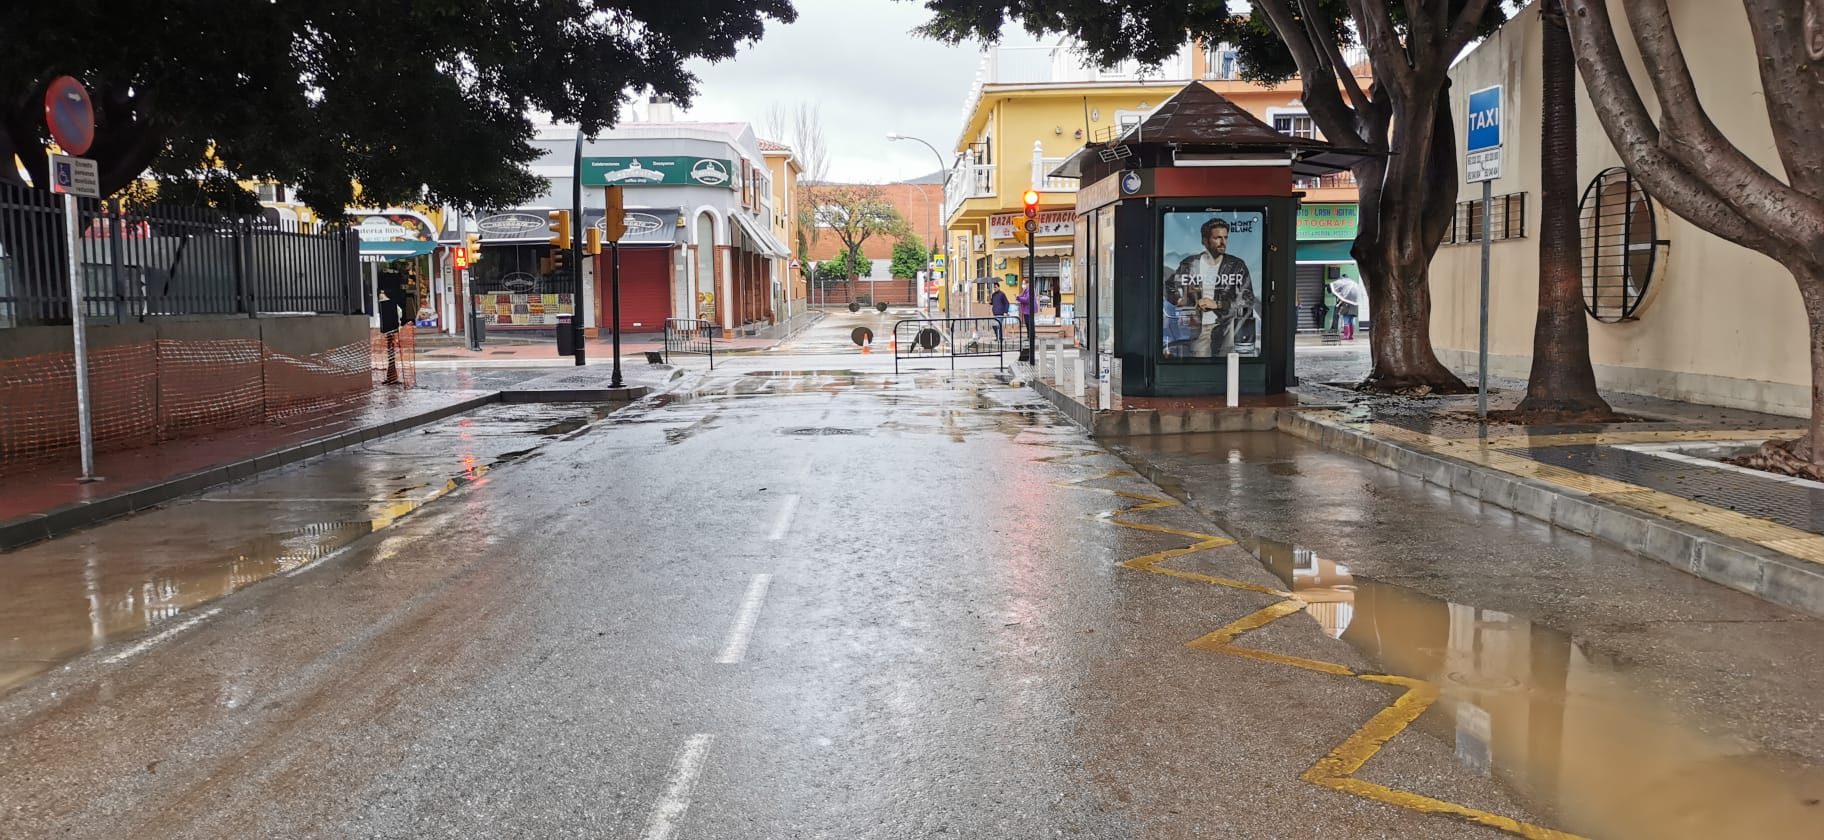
{"x": 394, "y": 357}
{"x": 167, "y": 388}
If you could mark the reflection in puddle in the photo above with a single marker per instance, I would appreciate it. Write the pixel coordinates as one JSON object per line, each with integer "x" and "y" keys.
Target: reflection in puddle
{"x": 1588, "y": 745}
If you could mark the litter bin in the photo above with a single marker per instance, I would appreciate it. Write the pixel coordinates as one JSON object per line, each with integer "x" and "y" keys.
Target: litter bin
{"x": 566, "y": 337}
{"x": 478, "y": 330}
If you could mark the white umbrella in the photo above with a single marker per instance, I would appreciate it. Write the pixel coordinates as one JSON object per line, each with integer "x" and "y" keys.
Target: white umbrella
{"x": 1347, "y": 290}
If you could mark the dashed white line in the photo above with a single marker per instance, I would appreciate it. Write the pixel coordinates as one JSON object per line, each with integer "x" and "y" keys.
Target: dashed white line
{"x": 147, "y": 643}
{"x": 668, "y": 812}
{"x": 735, "y": 649}
{"x": 784, "y": 521}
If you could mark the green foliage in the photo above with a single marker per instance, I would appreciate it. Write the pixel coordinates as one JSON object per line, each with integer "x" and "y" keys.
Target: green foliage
{"x": 839, "y": 268}
{"x": 414, "y": 101}
{"x": 909, "y": 257}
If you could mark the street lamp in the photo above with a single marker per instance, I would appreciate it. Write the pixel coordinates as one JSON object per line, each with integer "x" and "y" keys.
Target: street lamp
{"x": 948, "y": 295}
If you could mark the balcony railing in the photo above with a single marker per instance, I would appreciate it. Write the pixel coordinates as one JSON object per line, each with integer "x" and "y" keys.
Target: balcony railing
{"x": 1344, "y": 180}
{"x": 968, "y": 179}
{"x": 1046, "y": 183}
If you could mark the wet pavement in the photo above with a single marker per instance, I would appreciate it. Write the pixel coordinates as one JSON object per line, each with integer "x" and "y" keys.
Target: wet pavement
{"x": 802, "y": 596}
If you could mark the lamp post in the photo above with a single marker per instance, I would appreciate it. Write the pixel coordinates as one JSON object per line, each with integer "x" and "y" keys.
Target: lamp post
{"x": 928, "y": 226}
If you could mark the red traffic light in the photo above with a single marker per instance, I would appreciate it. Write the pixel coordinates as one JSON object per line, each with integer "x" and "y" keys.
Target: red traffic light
{"x": 460, "y": 258}
{"x": 1032, "y": 203}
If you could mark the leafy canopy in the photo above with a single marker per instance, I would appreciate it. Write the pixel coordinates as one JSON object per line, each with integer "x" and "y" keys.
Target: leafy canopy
{"x": 415, "y": 101}
{"x": 909, "y": 257}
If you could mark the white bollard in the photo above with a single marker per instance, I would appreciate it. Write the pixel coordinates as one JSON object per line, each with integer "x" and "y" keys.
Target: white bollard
{"x": 1076, "y": 389}
{"x": 1104, "y": 397}
{"x": 1234, "y": 389}
{"x": 1057, "y": 361}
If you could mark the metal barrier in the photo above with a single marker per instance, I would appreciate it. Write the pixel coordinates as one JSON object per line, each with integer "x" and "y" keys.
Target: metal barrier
{"x": 166, "y": 260}
{"x": 927, "y": 338}
{"x": 691, "y": 335}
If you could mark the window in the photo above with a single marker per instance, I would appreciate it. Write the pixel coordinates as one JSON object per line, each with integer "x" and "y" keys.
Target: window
{"x": 1221, "y": 63}
{"x": 1125, "y": 120}
{"x": 1297, "y": 125}
{"x": 1508, "y": 220}
{"x": 1621, "y": 247}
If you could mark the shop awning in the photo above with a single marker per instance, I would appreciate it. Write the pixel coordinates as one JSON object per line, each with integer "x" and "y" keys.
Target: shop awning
{"x": 644, "y": 226}
{"x": 1326, "y": 252}
{"x": 1057, "y": 250}
{"x": 768, "y": 244}
{"x": 393, "y": 234}
{"x": 531, "y": 225}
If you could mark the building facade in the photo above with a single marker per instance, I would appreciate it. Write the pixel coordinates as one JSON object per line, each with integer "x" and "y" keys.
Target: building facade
{"x": 1673, "y": 310}
{"x": 700, "y": 205}
{"x": 1031, "y": 107}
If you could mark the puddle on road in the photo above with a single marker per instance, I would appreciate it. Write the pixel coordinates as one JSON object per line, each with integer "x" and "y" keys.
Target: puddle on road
{"x": 1556, "y": 719}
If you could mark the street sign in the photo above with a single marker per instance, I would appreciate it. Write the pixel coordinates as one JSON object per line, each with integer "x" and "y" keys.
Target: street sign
{"x": 75, "y": 176}
{"x": 794, "y": 265}
{"x": 1482, "y": 160}
{"x": 69, "y": 115}
{"x": 938, "y": 259}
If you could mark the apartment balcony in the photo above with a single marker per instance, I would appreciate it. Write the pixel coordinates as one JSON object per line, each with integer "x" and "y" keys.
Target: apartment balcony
{"x": 968, "y": 180}
{"x": 1046, "y": 183}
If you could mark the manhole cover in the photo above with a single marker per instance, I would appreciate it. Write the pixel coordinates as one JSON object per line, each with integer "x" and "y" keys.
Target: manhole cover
{"x": 815, "y": 431}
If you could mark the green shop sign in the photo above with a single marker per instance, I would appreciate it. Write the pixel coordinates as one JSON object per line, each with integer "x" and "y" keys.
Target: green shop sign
{"x": 1325, "y": 221}
{"x": 658, "y": 171}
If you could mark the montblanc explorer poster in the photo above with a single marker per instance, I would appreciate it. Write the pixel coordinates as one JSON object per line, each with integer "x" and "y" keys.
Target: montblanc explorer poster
{"x": 1212, "y": 282}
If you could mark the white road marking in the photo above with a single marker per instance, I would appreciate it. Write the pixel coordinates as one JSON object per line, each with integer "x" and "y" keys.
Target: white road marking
{"x": 668, "y": 812}
{"x": 784, "y": 522}
{"x": 735, "y": 649}
{"x": 147, "y": 644}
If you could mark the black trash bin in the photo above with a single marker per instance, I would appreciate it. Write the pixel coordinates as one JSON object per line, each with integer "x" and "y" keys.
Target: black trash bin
{"x": 566, "y": 337}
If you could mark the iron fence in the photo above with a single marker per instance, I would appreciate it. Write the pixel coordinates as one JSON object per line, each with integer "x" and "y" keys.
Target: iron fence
{"x": 953, "y": 338}
{"x": 693, "y": 336}
{"x": 166, "y": 260}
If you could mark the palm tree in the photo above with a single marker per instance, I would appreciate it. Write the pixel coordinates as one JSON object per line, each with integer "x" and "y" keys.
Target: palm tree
{"x": 1562, "y": 385}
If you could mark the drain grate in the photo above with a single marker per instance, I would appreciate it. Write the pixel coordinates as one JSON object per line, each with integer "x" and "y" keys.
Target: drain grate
{"x": 821, "y": 431}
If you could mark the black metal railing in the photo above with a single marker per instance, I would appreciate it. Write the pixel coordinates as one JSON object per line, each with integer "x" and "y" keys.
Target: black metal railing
{"x": 692, "y": 336}
{"x": 955, "y": 338}
{"x": 166, "y": 260}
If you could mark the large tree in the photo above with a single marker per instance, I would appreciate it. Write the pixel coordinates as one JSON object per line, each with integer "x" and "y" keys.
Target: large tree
{"x": 1407, "y": 180}
{"x": 1687, "y": 163}
{"x": 1562, "y": 384}
{"x": 412, "y": 101}
{"x": 855, "y": 213}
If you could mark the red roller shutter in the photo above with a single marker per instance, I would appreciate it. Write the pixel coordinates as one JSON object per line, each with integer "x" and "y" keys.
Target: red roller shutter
{"x": 645, "y": 289}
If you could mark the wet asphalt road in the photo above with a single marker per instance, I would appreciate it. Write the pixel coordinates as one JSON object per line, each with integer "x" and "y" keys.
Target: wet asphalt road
{"x": 802, "y": 597}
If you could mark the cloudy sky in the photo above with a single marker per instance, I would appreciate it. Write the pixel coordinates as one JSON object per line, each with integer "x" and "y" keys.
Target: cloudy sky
{"x": 858, "y": 61}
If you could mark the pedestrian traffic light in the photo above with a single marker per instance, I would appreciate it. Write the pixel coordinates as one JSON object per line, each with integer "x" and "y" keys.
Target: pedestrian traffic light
{"x": 592, "y": 241}
{"x": 560, "y": 261}
{"x": 1032, "y": 204}
{"x": 559, "y": 226}
{"x": 1020, "y": 235}
{"x": 459, "y": 257}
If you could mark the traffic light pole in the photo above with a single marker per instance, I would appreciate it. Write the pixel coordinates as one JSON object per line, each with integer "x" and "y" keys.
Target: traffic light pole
{"x": 576, "y": 252}
{"x": 614, "y": 292}
{"x": 1031, "y": 320}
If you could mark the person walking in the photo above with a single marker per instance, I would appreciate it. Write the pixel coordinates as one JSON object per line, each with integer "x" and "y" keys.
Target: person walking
{"x": 1349, "y": 295}
{"x": 998, "y": 303}
{"x": 1028, "y": 309}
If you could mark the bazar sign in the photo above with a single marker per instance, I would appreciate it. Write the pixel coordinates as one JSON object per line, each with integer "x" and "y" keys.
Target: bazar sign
{"x": 1326, "y": 221}
{"x": 657, "y": 171}
{"x": 1051, "y": 223}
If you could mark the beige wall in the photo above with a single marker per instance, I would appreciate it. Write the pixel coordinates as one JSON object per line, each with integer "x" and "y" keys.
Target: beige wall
{"x": 1722, "y": 325}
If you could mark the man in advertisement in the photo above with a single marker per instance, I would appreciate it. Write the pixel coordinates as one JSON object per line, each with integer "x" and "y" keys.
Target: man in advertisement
{"x": 1211, "y": 294}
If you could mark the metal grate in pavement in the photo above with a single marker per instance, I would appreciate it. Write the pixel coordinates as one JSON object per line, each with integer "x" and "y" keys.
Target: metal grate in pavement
{"x": 1793, "y": 505}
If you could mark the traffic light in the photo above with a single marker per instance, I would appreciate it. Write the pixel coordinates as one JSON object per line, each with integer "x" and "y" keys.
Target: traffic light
{"x": 560, "y": 261}
{"x": 474, "y": 248}
{"x": 559, "y": 227}
{"x": 615, "y": 221}
{"x": 592, "y": 241}
{"x": 459, "y": 257}
{"x": 1032, "y": 204}
{"x": 1020, "y": 235}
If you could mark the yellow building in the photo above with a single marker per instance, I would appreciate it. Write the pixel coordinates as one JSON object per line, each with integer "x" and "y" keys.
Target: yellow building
{"x": 786, "y": 169}
{"x": 1675, "y": 311}
{"x": 1032, "y": 106}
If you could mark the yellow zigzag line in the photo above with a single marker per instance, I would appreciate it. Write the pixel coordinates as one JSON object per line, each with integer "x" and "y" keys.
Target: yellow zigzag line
{"x": 1335, "y": 771}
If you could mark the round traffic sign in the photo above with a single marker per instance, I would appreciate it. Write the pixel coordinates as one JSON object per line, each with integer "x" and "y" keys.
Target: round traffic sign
{"x": 69, "y": 115}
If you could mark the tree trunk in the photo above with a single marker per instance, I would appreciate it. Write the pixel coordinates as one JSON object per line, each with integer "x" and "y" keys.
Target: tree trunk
{"x": 1395, "y": 247}
{"x": 1804, "y": 457}
{"x": 1562, "y": 384}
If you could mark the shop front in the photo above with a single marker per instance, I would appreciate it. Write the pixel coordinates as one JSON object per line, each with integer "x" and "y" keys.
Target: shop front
{"x": 649, "y": 258}
{"x": 402, "y": 240}
{"x": 520, "y": 281}
{"x": 1326, "y": 232}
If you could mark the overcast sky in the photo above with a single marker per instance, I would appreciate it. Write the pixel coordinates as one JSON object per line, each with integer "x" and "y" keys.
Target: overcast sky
{"x": 859, "y": 62}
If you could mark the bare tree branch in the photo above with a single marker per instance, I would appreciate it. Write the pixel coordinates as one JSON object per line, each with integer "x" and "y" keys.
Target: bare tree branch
{"x": 1333, "y": 55}
{"x": 1322, "y": 102}
{"x": 1375, "y": 22}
